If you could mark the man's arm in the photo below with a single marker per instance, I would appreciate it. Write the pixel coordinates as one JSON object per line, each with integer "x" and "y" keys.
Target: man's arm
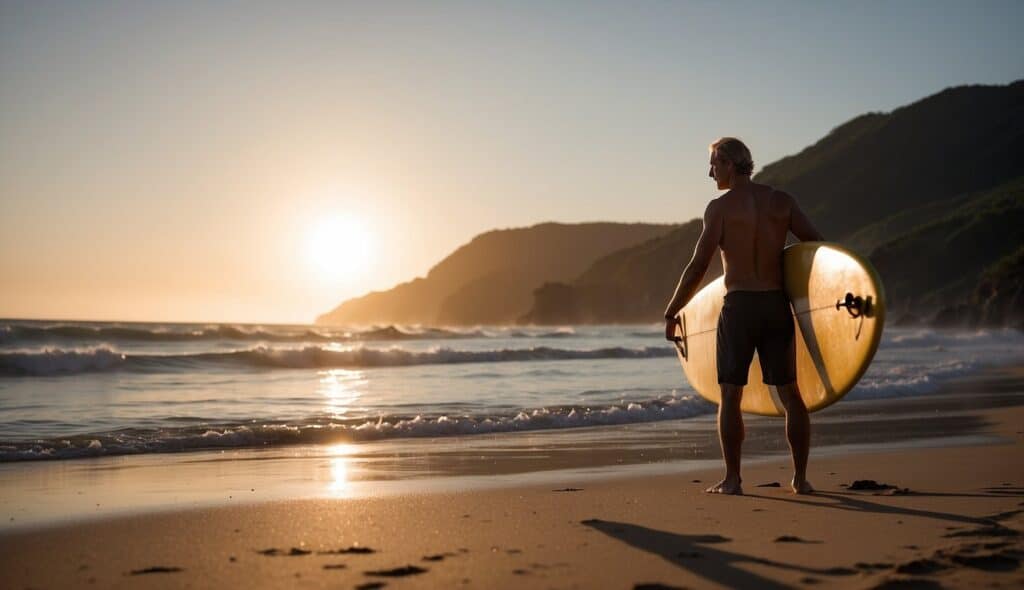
{"x": 702, "y": 253}
{"x": 802, "y": 227}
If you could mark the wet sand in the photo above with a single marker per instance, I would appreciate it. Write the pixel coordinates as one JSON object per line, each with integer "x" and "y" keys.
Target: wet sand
{"x": 953, "y": 518}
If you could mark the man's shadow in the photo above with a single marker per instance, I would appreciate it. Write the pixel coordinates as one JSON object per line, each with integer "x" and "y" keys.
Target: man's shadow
{"x": 855, "y": 503}
{"x": 701, "y": 555}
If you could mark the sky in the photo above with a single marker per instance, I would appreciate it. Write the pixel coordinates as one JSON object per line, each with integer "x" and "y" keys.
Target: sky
{"x": 262, "y": 162}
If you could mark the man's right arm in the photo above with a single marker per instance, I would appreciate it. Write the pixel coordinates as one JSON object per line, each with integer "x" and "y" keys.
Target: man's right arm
{"x": 802, "y": 227}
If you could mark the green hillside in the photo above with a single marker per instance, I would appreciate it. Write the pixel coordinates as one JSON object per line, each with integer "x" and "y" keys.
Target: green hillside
{"x": 942, "y": 260}
{"x": 961, "y": 140}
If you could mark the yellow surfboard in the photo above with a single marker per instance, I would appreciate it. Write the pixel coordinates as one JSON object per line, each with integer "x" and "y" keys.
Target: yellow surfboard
{"x": 839, "y": 305}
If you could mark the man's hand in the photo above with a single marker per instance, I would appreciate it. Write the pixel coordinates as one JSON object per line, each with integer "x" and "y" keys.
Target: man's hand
{"x": 670, "y": 329}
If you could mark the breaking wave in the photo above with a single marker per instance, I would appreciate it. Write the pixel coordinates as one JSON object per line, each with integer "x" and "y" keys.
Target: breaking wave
{"x": 52, "y": 362}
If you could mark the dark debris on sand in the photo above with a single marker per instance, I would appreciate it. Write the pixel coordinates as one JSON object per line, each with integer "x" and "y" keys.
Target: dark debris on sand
{"x": 335, "y": 566}
{"x": 921, "y": 567}
{"x": 655, "y": 586}
{"x": 371, "y": 586}
{"x": 398, "y": 572}
{"x": 156, "y": 569}
{"x": 792, "y": 539}
{"x": 355, "y": 549}
{"x": 438, "y": 556}
{"x": 870, "y": 484}
{"x": 1004, "y": 561}
{"x": 710, "y": 539}
{"x": 569, "y": 490}
{"x": 907, "y": 584}
{"x": 872, "y": 566}
{"x": 293, "y": 552}
{"x": 839, "y": 571}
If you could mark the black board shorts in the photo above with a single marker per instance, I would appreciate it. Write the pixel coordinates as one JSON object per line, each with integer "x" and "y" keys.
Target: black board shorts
{"x": 761, "y": 321}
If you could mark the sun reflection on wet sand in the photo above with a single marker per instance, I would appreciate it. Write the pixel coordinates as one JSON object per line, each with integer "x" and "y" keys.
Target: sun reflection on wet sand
{"x": 340, "y": 458}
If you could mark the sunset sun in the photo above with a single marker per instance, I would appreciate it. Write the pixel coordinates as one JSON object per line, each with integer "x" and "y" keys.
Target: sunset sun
{"x": 338, "y": 247}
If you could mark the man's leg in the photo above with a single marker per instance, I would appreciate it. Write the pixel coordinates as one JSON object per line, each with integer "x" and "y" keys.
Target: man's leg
{"x": 730, "y": 435}
{"x": 798, "y": 433}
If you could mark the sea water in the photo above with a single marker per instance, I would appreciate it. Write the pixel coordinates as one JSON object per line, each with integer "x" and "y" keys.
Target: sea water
{"x": 90, "y": 389}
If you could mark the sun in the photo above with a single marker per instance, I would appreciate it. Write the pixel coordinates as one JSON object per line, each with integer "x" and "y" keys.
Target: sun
{"x": 338, "y": 247}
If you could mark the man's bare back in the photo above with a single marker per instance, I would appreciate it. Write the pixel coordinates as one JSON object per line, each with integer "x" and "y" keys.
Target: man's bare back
{"x": 749, "y": 224}
{"x": 754, "y": 221}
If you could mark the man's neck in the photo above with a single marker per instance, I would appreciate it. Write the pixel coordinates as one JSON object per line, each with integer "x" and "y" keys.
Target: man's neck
{"x": 740, "y": 183}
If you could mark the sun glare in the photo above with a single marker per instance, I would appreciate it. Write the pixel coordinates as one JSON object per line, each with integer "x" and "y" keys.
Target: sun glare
{"x": 338, "y": 248}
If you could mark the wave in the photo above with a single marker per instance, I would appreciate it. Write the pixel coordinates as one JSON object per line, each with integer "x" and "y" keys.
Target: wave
{"x": 23, "y": 333}
{"x": 325, "y": 430}
{"x": 54, "y": 362}
{"x": 906, "y": 381}
{"x": 59, "y": 362}
{"x": 946, "y": 339}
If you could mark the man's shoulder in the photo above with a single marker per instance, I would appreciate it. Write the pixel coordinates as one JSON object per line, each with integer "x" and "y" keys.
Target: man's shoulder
{"x": 779, "y": 197}
{"x": 715, "y": 205}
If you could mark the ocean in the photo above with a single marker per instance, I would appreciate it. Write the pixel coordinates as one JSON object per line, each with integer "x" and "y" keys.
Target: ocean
{"x": 72, "y": 390}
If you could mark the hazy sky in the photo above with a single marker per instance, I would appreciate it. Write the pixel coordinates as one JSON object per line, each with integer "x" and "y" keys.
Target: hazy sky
{"x": 171, "y": 160}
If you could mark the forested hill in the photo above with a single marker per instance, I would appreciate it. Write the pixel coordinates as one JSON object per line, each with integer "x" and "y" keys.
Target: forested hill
{"x": 490, "y": 280}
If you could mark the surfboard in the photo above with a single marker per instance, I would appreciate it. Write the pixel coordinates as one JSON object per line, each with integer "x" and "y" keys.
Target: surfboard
{"x": 838, "y": 304}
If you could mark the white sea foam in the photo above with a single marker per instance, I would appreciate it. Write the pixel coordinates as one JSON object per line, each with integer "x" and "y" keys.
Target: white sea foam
{"x": 323, "y": 432}
{"x": 904, "y": 381}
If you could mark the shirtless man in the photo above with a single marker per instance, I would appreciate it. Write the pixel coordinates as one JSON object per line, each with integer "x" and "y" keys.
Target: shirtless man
{"x": 750, "y": 224}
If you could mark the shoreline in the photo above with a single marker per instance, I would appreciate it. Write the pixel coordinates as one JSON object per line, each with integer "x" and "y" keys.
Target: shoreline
{"x": 953, "y": 518}
{"x": 48, "y": 494}
{"x": 956, "y": 526}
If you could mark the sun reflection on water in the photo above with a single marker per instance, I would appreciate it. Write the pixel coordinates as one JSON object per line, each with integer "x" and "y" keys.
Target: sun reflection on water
{"x": 340, "y": 388}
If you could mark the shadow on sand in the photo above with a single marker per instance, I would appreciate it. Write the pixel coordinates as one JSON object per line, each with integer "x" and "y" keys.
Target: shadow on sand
{"x": 856, "y": 503}
{"x": 702, "y": 556}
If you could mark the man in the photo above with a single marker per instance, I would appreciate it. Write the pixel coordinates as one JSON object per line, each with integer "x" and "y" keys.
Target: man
{"x": 750, "y": 224}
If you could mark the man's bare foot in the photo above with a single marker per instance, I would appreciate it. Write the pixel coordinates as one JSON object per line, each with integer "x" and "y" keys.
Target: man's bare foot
{"x": 802, "y": 487}
{"x": 729, "y": 485}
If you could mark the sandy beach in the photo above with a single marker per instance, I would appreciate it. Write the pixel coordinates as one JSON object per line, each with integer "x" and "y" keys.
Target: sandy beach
{"x": 951, "y": 519}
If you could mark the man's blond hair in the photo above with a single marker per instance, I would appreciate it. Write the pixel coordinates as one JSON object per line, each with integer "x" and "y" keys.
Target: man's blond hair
{"x": 736, "y": 152}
